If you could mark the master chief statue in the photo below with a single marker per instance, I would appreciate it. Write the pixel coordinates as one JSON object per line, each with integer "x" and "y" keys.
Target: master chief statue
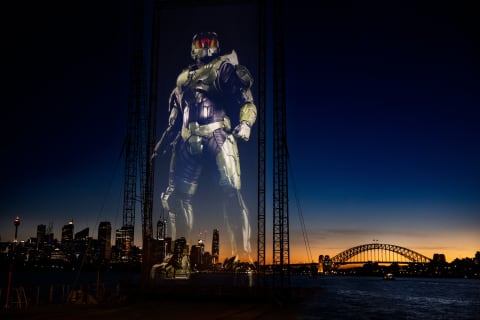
{"x": 207, "y": 92}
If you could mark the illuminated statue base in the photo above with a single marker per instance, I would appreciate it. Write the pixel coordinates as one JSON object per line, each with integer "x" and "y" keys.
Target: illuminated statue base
{"x": 171, "y": 268}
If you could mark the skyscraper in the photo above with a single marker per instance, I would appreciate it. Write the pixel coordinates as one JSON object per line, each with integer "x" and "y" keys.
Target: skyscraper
{"x": 196, "y": 254}
{"x": 41, "y": 235}
{"x": 215, "y": 247}
{"x": 49, "y": 233}
{"x": 67, "y": 232}
{"x": 83, "y": 234}
{"x": 105, "y": 239}
{"x": 124, "y": 240}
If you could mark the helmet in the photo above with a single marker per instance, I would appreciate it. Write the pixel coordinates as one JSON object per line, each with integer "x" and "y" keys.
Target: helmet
{"x": 205, "y": 46}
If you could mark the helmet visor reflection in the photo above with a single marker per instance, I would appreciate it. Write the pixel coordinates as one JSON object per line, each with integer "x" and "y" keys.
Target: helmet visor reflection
{"x": 205, "y": 43}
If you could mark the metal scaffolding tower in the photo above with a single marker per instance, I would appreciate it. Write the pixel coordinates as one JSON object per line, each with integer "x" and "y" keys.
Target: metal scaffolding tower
{"x": 281, "y": 241}
{"x": 135, "y": 141}
{"x": 149, "y": 243}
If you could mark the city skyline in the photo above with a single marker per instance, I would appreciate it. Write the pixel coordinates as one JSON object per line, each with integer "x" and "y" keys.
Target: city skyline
{"x": 382, "y": 105}
{"x": 207, "y": 237}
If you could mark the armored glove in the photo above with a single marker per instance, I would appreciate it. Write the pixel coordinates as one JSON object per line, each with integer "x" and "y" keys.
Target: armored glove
{"x": 242, "y": 130}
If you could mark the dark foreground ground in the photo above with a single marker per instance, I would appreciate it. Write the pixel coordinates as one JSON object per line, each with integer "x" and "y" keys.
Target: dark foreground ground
{"x": 157, "y": 310}
{"x": 176, "y": 302}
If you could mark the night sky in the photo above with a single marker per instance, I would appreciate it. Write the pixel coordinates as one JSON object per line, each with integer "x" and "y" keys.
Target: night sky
{"x": 383, "y": 120}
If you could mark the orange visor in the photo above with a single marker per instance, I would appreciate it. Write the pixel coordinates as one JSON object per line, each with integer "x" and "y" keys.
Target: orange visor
{"x": 205, "y": 43}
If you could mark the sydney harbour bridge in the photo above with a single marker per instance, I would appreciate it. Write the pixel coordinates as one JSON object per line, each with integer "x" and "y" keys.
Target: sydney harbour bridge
{"x": 378, "y": 253}
{"x": 368, "y": 259}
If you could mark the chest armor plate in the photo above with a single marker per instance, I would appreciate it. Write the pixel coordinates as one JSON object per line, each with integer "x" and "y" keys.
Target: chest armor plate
{"x": 200, "y": 102}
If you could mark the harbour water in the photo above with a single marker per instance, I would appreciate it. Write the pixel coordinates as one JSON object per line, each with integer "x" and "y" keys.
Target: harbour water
{"x": 403, "y": 298}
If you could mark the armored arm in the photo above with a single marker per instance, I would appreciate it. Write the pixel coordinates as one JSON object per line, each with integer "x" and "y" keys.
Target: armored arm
{"x": 174, "y": 107}
{"x": 248, "y": 115}
{"x": 168, "y": 136}
{"x": 236, "y": 81}
{"x": 248, "y": 111}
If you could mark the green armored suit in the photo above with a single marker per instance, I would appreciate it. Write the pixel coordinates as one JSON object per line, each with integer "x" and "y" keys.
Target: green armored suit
{"x": 205, "y": 95}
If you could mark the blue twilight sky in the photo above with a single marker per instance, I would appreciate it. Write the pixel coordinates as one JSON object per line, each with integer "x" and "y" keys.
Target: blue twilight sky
{"x": 383, "y": 113}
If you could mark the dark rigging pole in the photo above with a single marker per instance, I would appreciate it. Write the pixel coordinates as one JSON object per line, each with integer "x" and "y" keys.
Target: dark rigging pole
{"x": 281, "y": 241}
{"x": 261, "y": 134}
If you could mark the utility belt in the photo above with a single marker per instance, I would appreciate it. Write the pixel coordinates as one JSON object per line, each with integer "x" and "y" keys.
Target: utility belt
{"x": 206, "y": 130}
{"x": 195, "y": 133}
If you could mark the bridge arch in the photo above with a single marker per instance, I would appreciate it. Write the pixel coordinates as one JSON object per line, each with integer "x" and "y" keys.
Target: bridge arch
{"x": 412, "y": 256}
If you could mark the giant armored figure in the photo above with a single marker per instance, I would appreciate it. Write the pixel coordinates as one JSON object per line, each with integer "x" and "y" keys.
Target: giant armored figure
{"x": 207, "y": 92}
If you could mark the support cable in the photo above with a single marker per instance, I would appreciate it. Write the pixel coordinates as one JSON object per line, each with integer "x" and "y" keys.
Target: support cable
{"x": 299, "y": 209}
